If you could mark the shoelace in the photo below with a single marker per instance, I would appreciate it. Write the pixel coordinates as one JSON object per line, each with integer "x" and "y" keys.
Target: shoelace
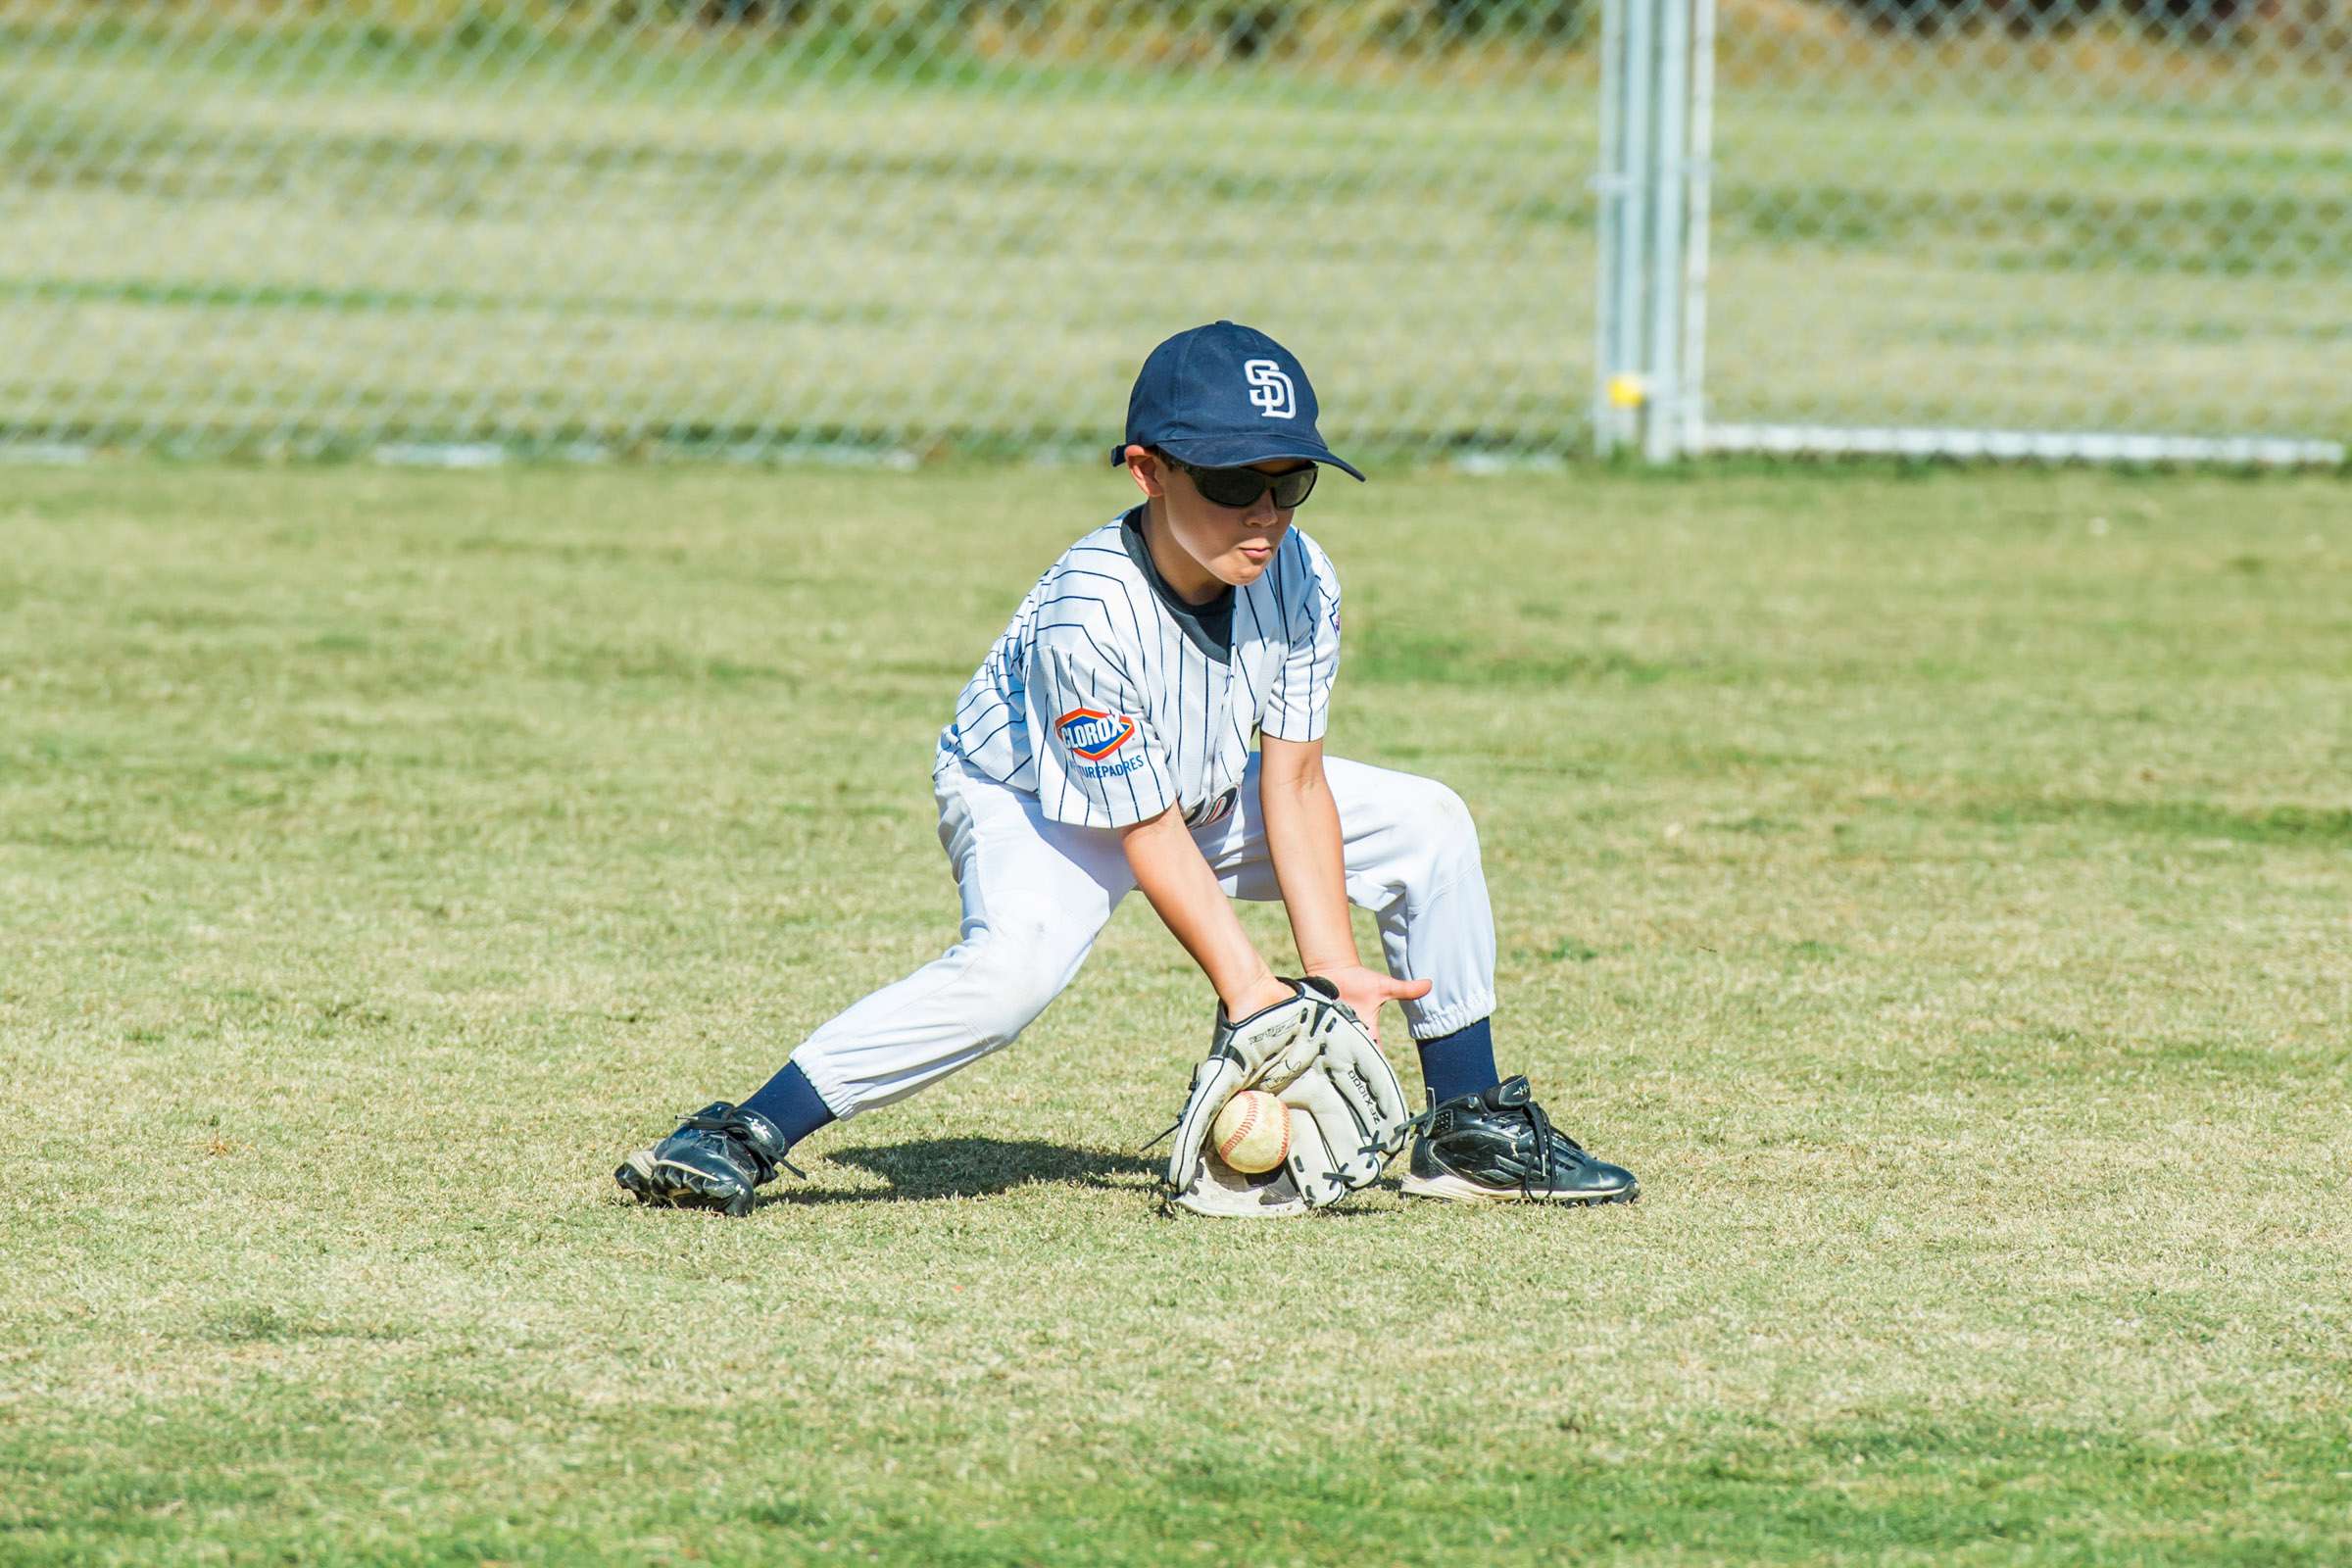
{"x": 1542, "y": 1174}
{"x": 1545, "y": 1132}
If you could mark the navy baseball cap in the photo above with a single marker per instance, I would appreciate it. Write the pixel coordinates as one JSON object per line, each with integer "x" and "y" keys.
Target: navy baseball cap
{"x": 1224, "y": 396}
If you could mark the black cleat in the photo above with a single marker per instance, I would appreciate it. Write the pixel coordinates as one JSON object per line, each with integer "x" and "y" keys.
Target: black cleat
{"x": 713, "y": 1161}
{"x": 1498, "y": 1145}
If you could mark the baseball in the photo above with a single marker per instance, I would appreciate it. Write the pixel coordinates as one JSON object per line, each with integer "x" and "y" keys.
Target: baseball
{"x": 1253, "y": 1133}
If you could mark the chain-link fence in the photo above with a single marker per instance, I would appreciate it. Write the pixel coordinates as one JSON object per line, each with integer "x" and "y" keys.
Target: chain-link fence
{"x": 2087, "y": 227}
{"x": 762, "y": 226}
{"x": 756, "y": 226}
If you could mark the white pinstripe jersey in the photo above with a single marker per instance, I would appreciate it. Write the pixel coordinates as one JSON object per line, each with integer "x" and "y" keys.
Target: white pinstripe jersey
{"x": 1109, "y": 708}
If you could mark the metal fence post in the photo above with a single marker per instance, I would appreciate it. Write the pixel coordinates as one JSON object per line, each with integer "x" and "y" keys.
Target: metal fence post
{"x": 1670, "y": 106}
{"x": 1608, "y": 190}
{"x": 1643, "y": 385}
{"x": 1699, "y": 178}
{"x": 1630, "y": 111}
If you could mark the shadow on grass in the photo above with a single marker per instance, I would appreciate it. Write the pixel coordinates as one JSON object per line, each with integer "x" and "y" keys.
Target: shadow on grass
{"x": 972, "y": 1167}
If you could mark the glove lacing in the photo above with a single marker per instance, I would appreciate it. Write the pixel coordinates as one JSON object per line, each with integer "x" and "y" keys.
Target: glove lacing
{"x": 1386, "y": 1148}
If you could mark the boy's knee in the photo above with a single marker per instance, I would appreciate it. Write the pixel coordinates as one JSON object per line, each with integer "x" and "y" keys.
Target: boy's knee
{"x": 1440, "y": 823}
{"x": 1013, "y": 973}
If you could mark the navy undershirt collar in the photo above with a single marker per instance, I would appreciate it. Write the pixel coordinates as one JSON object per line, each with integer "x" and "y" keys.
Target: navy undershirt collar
{"x": 1208, "y": 628}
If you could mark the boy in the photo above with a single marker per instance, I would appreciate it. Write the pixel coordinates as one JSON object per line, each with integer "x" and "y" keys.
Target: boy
{"x": 1104, "y": 744}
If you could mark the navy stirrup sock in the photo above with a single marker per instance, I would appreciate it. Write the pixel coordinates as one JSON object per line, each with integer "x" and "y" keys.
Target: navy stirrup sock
{"x": 792, "y": 1102}
{"x": 1459, "y": 1063}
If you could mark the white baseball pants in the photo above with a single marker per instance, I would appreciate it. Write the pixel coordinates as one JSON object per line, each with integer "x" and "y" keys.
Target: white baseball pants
{"x": 1036, "y": 893}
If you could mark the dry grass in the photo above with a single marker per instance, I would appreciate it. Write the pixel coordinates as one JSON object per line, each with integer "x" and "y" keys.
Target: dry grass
{"x": 1934, "y": 885}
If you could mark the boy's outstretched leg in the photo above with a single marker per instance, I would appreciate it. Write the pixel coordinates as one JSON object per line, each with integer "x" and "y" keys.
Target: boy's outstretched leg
{"x": 1035, "y": 895}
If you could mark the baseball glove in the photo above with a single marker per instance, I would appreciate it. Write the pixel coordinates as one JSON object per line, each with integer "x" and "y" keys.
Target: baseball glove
{"x": 1348, "y": 1113}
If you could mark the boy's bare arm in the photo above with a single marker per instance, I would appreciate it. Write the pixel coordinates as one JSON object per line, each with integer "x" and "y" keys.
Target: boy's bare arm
{"x": 1302, "y": 838}
{"x": 1168, "y": 867}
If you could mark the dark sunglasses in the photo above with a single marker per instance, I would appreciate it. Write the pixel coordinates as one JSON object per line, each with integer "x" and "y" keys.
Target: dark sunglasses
{"x": 1241, "y": 487}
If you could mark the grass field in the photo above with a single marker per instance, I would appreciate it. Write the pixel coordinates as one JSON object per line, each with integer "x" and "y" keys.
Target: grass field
{"x": 1935, "y": 886}
{"x": 311, "y": 242}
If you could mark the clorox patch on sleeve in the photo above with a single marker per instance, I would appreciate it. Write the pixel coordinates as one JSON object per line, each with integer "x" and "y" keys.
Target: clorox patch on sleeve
{"x": 1092, "y": 734}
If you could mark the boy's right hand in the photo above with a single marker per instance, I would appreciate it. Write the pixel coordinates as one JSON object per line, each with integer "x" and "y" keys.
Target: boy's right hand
{"x": 1365, "y": 991}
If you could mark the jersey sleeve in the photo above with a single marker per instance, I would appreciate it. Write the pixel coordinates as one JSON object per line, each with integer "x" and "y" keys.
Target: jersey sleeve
{"x": 1098, "y": 762}
{"x": 1298, "y": 708}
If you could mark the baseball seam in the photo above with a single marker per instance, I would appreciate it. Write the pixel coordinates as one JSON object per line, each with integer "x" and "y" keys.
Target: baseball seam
{"x": 1241, "y": 1134}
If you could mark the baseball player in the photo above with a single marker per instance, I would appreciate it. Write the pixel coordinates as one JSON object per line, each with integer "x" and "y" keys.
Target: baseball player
{"x": 1154, "y": 718}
